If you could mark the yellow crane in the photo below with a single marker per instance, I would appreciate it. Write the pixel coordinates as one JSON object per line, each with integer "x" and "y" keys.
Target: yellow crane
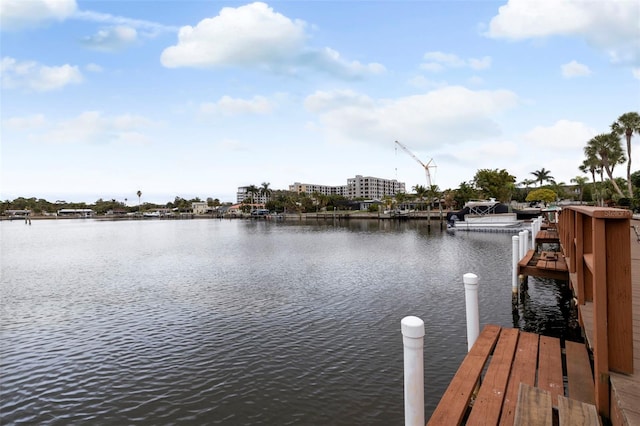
{"x": 424, "y": 166}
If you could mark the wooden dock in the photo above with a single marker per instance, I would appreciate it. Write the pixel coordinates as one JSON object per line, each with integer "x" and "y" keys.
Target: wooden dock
{"x": 542, "y": 263}
{"x": 513, "y": 377}
{"x": 521, "y": 384}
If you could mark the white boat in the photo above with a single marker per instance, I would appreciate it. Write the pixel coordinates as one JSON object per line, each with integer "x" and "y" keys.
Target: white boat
{"x": 486, "y": 215}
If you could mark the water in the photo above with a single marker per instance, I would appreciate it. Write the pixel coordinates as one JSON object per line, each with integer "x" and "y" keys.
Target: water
{"x": 240, "y": 322}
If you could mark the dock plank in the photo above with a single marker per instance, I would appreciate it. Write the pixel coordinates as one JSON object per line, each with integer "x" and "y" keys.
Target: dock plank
{"x": 453, "y": 405}
{"x": 488, "y": 404}
{"x": 534, "y": 407}
{"x": 572, "y": 412}
{"x": 523, "y": 370}
{"x": 550, "y": 367}
{"x": 579, "y": 373}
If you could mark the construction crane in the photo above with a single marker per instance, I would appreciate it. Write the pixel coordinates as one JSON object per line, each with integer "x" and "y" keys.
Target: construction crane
{"x": 424, "y": 166}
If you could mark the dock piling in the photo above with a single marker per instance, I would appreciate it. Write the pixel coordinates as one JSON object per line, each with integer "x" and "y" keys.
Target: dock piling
{"x": 471, "y": 302}
{"x": 413, "y": 340}
{"x": 515, "y": 258}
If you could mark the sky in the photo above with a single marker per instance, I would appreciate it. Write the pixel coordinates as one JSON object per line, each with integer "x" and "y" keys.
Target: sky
{"x": 181, "y": 98}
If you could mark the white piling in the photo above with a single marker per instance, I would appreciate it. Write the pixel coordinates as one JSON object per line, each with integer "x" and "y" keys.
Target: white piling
{"x": 413, "y": 339}
{"x": 515, "y": 251}
{"x": 525, "y": 244}
{"x": 522, "y": 251}
{"x": 473, "y": 314}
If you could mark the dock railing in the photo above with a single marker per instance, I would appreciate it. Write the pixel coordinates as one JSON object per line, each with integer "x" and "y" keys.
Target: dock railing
{"x": 596, "y": 244}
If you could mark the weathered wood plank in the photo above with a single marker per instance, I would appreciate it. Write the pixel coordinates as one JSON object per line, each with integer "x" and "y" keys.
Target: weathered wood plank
{"x": 572, "y": 412}
{"x": 534, "y": 407}
{"x": 550, "y": 367}
{"x": 523, "y": 370}
{"x": 453, "y": 404}
{"x": 579, "y": 373}
{"x": 488, "y": 404}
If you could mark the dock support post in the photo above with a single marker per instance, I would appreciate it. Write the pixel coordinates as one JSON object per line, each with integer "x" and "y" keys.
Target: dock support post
{"x": 413, "y": 340}
{"x": 515, "y": 245}
{"x": 471, "y": 301}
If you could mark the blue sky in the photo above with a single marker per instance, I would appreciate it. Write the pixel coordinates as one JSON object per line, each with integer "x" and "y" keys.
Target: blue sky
{"x": 100, "y": 99}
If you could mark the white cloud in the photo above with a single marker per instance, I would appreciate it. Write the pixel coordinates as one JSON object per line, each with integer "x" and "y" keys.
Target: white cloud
{"x": 147, "y": 29}
{"x": 25, "y": 123}
{"x": 33, "y": 76}
{"x": 451, "y": 115}
{"x": 575, "y": 69}
{"x": 439, "y": 61}
{"x": 21, "y": 14}
{"x": 234, "y": 106}
{"x": 112, "y": 39}
{"x": 255, "y": 36}
{"x": 611, "y": 26}
{"x": 636, "y": 73}
{"x": 562, "y": 135}
{"x": 89, "y": 127}
{"x": 93, "y": 67}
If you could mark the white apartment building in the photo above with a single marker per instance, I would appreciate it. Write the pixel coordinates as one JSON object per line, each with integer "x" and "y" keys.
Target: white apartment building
{"x": 373, "y": 188}
{"x": 367, "y": 187}
{"x": 244, "y": 194}
{"x": 310, "y": 189}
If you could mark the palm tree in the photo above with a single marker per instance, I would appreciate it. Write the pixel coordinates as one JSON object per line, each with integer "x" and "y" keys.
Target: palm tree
{"x": 421, "y": 192}
{"x": 252, "y": 190}
{"x": 580, "y": 182}
{"x": 527, "y": 182}
{"x": 627, "y": 124}
{"x": 607, "y": 149}
{"x": 542, "y": 175}
{"x": 593, "y": 166}
{"x": 139, "y": 194}
{"x": 265, "y": 191}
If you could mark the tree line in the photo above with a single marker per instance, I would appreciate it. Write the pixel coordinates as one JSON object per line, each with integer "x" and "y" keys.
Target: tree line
{"x": 602, "y": 154}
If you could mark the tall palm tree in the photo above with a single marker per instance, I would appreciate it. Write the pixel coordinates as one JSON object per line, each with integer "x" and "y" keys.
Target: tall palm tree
{"x": 265, "y": 191}
{"x": 627, "y": 124}
{"x": 593, "y": 166}
{"x": 607, "y": 149}
{"x": 252, "y": 190}
{"x": 139, "y": 194}
{"x": 542, "y": 176}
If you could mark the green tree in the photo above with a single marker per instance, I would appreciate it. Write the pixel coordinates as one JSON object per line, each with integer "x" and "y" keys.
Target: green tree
{"x": 542, "y": 176}
{"x": 543, "y": 194}
{"x": 581, "y": 183}
{"x": 627, "y": 124}
{"x": 139, "y": 194}
{"x": 252, "y": 190}
{"x": 498, "y": 184}
{"x": 606, "y": 149}
{"x": 421, "y": 193}
{"x": 265, "y": 191}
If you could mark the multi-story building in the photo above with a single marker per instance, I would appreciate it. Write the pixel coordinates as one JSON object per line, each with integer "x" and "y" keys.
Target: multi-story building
{"x": 310, "y": 189}
{"x": 367, "y": 187}
{"x": 373, "y": 188}
{"x": 243, "y": 194}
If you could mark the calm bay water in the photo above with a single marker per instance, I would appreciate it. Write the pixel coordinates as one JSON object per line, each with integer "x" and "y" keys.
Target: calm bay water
{"x": 240, "y": 322}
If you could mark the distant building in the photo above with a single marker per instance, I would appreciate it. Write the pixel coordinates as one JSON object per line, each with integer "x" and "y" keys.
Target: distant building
{"x": 367, "y": 187}
{"x": 199, "y": 207}
{"x": 17, "y": 213}
{"x": 311, "y": 188}
{"x": 76, "y": 212}
{"x": 244, "y": 194}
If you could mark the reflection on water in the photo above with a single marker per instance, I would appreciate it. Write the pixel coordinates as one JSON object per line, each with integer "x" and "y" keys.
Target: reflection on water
{"x": 240, "y": 322}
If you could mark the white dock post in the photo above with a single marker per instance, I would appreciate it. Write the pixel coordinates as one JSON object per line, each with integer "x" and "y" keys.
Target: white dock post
{"x": 525, "y": 244}
{"x": 515, "y": 250}
{"x": 413, "y": 339}
{"x": 522, "y": 251}
{"x": 471, "y": 302}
